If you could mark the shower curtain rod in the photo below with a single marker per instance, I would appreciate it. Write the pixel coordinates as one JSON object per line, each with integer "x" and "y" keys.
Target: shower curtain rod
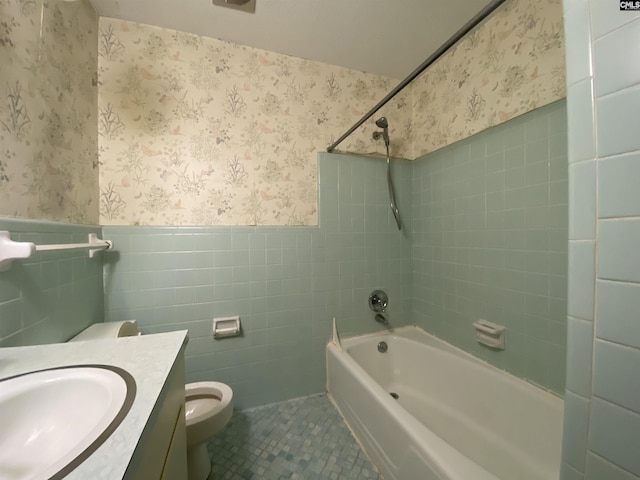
{"x": 466, "y": 28}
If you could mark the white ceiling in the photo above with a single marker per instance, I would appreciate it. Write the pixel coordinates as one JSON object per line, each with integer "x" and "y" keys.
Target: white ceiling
{"x": 386, "y": 37}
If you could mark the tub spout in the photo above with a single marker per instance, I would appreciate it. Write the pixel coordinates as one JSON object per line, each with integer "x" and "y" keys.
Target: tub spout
{"x": 381, "y": 318}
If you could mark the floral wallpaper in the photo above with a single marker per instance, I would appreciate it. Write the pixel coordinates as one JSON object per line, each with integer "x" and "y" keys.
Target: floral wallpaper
{"x": 511, "y": 64}
{"x": 189, "y": 130}
{"x": 48, "y": 109}
{"x": 198, "y": 131}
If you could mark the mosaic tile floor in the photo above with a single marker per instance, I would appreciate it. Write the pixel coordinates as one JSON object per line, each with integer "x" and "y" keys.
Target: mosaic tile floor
{"x": 303, "y": 439}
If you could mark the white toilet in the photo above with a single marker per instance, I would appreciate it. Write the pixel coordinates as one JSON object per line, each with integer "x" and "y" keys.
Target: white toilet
{"x": 208, "y": 405}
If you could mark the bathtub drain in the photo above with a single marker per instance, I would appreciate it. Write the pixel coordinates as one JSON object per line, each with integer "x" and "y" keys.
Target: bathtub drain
{"x": 394, "y": 395}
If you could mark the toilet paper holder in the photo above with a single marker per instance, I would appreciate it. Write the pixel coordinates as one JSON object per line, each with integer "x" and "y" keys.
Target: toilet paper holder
{"x": 226, "y": 327}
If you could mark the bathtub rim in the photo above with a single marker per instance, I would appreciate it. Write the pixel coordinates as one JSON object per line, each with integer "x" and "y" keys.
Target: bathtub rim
{"x": 436, "y": 342}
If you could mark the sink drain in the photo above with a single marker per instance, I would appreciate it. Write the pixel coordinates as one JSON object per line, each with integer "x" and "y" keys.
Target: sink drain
{"x": 394, "y": 395}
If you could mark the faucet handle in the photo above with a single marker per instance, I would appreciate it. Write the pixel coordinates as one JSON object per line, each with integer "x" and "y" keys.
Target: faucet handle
{"x": 378, "y": 301}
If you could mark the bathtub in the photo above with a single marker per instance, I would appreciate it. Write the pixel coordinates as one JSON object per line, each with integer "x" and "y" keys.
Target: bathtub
{"x": 454, "y": 418}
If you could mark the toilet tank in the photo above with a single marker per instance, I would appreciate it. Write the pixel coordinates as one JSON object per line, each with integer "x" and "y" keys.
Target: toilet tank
{"x": 126, "y": 328}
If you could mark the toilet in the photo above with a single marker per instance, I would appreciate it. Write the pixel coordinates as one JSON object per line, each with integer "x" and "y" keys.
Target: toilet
{"x": 208, "y": 405}
{"x": 208, "y": 408}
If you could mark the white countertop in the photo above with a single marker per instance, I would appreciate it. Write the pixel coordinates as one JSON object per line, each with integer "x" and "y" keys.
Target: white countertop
{"x": 148, "y": 358}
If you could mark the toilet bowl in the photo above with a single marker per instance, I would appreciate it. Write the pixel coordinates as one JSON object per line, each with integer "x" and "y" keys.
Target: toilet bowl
{"x": 208, "y": 408}
{"x": 208, "y": 405}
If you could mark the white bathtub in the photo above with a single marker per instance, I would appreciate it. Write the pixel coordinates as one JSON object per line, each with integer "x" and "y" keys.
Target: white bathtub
{"x": 456, "y": 417}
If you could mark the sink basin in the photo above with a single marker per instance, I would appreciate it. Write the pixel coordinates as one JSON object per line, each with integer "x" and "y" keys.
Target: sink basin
{"x": 52, "y": 420}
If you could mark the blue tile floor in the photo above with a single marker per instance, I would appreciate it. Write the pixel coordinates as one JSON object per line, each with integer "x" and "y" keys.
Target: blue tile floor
{"x": 304, "y": 439}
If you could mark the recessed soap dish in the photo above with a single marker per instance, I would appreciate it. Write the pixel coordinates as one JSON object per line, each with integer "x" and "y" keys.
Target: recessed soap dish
{"x": 490, "y": 334}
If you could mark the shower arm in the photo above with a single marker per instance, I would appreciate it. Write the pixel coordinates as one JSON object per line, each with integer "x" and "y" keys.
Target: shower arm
{"x": 466, "y": 28}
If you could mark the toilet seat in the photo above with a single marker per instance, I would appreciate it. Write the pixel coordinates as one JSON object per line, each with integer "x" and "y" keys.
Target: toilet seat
{"x": 204, "y": 400}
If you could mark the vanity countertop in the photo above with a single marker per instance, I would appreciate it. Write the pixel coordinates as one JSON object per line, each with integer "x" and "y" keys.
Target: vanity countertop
{"x": 148, "y": 358}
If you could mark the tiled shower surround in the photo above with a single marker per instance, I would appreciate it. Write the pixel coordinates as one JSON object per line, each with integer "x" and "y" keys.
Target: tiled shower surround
{"x": 602, "y": 405}
{"x": 490, "y": 242}
{"x": 484, "y": 237}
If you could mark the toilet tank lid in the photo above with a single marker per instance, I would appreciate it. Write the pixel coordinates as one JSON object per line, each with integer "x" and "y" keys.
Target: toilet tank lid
{"x": 126, "y": 328}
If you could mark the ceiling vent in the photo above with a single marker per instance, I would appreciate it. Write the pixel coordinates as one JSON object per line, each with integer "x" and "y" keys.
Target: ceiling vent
{"x": 244, "y": 5}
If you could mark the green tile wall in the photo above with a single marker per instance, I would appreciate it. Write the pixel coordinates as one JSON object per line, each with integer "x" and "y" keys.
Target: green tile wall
{"x": 286, "y": 283}
{"x": 602, "y": 421}
{"x": 490, "y": 242}
{"x": 50, "y": 296}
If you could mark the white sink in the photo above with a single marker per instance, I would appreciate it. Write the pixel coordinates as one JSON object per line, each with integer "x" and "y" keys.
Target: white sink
{"x": 52, "y": 420}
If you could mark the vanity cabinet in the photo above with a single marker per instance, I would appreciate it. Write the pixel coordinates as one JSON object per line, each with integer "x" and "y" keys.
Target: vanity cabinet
{"x": 150, "y": 441}
{"x": 175, "y": 466}
{"x": 161, "y": 452}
